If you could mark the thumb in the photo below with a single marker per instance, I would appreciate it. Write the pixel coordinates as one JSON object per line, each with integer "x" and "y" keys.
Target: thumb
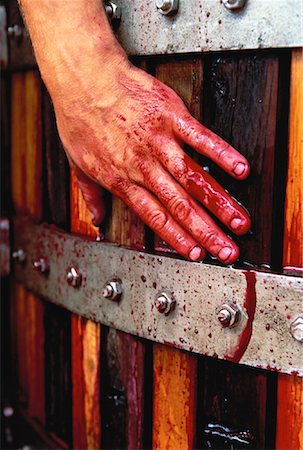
{"x": 92, "y": 193}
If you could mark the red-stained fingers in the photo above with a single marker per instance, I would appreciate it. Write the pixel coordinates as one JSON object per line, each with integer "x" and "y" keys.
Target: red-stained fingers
{"x": 203, "y": 187}
{"x": 185, "y": 210}
{"x": 212, "y": 146}
{"x": 156, "y": 216}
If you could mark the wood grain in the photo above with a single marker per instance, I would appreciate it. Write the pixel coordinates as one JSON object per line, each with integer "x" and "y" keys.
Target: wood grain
{"x": 174, "y": 399}
{"x": 27, "y": 310}
{"x": 57, "y": 320}
{"x": 241, "y": 92}
{"x": 290, "y": 388}
{"x": 85, "y": 350}
{"x": 125, "y": 354}
{"x": 175, "y": 371}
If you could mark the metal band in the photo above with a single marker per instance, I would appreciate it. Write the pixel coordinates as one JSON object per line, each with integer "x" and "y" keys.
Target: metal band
{"x": 208, "y": 25}
{"x": 168, "y": 300}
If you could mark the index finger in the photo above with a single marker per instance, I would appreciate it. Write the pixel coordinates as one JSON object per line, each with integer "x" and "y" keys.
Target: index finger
{"x": 209, "y": 144}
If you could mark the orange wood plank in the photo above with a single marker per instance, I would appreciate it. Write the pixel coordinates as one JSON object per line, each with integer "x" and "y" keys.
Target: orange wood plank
{"x": 27, "y": 198}
{"x": 85, "y": 350}
{"x": 290, "y": 388}
{"x": 174, "y": 399}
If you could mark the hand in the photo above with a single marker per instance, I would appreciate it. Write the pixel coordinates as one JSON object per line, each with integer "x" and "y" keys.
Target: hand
{"x": 124, "y": 130}
{"x": 130, "y": 140}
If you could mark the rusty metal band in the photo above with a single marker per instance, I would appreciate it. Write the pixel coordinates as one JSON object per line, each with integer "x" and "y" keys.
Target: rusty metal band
{"x": 267, "y": 303}
{"x": 207, "y": 25}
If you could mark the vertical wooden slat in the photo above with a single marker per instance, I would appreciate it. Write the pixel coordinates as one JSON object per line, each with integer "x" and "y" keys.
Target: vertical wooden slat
{"x": 125, "y": 353}
{"x": 57, "y": 320}
{"x": 85, "y": 350}
{"x": 290, "y": 388}
{"x": 174, "y": 416}
{"x": 27, "y": 196}
{"x": 241, "y": 93}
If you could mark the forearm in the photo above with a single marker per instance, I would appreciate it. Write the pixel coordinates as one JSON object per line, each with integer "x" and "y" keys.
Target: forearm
{"x": 68, "y": 36}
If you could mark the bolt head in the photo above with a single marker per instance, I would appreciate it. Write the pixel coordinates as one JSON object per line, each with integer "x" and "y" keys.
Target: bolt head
{"x": 167, "y": 6}
{"x": 234, "y": 4}
{"x": 19, "y": 255}
{"x": 296, "y": 329}
{"x": 165, "y": 303}
{"x": 74, "y": 277}
{"x": 41, "y": 265}
{"x": 113, "y": 289}
{"x": 228, "y": 315}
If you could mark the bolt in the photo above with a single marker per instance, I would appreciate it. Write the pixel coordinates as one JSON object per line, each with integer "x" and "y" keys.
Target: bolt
{"x": 228, "y": 315}
{"x": 296, "y": 328}
{"x": 167, "y": 6}
{"x": 19, "y": 255}
{"x": 112, "y": 289}
{"x": 41, "y": 265}
{"x": 74, "y": 277}
{"x": 15, "y": 32}
{"x": 165, "y": 302}
{"x": 113, "y": 11}
{"x": 234, "y": 4}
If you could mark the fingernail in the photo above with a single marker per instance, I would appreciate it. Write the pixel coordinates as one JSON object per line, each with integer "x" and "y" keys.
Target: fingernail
{"x": 224, "y": 253}
{"x": 239, "y": 169}
{"x": 195, "y": 253}
{"x": 235, "y": 223}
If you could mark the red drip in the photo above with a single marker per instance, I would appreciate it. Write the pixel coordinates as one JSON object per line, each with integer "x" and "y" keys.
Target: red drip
{"x": 238, "y": 351}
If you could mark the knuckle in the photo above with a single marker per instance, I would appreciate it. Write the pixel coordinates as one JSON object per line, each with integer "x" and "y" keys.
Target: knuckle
{"x": 157, "y": 220}
{"x": 120, "y": 185}
{"x": 180, "y": 208}
{"x": 208, "y": 238}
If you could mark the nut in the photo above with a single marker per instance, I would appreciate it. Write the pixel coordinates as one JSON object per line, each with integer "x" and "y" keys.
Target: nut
{"x": 19, "y": 255}
{"x": 41, "y": 265}
{"x": 165, "y": 303}
{"x": 74, "y": 277}
{"x": 167, "y": 6}
{"x": 296, "y": 329}
{"x": 113, "y": 11}
{"x": 234, "y": 4}
{"x": 228, "y": 315}
{"x": 113, "y": 289}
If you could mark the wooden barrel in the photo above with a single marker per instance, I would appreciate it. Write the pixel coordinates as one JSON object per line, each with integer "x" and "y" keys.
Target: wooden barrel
{"x": 78, "y": 384}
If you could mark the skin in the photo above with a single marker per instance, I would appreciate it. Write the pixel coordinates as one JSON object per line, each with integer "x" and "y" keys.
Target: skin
{"x": 124, "y": 130}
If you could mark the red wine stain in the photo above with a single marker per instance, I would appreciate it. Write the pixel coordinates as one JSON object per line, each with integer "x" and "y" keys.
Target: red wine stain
{"x": 238, "y": 351}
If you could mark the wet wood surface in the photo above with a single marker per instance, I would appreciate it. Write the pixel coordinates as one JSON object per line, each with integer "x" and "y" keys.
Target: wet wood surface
{"x": 290, "y": 388}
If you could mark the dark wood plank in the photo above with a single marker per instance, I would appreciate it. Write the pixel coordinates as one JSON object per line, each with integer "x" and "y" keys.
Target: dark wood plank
{"x": 57, "y": 321}
{"x": 124, "y": 355}
{"x": 241, "y": 97}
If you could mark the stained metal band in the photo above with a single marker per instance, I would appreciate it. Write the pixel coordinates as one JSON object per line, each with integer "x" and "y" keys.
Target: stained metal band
{"x": 267, "y": 303}
{"x": 206, "y": 25}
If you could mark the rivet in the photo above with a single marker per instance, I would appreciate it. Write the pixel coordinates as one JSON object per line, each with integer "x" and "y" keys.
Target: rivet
{"x": 296, "y": 328}
{"x": 167, "y": 6}
{"x": 74, "y": 277}
{"x": 234, "y": 4}
{"x": 19, "y": 255}
{"x": 165, "y": 302}
{"x": 41, "y": 265}
{"x": 112, "y": 289}
{"x": 228, "y": 315}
